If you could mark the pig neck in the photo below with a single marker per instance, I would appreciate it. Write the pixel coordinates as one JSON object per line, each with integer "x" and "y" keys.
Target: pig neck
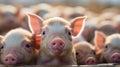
{"x": 56, "y": 61}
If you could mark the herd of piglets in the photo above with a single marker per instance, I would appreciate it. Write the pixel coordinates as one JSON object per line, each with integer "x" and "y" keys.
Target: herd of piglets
{"x": 58, "y": 35}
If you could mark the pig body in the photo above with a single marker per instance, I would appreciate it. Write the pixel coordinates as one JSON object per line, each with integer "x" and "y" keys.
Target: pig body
{"x": 18, "y": 47}
{"x": 85, "y": 53}
{"x": 56, "y": 39}
{"x": 107, "y": 48}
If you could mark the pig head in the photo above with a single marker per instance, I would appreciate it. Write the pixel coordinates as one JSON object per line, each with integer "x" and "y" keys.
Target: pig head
{"x": 9, "y": 20}
{"x": 18, "y": 47}
{"x": 56, "y": 39}
{"x": 85, "y": 53}
{"x": 107, "y": 48}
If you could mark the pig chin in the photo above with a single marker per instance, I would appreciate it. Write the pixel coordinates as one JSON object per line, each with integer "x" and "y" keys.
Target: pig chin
{"x": 57, "y": 51}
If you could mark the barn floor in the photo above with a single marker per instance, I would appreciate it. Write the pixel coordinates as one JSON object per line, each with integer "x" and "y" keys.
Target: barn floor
{"x": 98, "y": 65}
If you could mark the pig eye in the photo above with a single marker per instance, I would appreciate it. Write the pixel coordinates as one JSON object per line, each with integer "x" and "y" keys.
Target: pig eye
{"x": 69, "y": 33}
{"x": 27, "y": 46}
{"x": 106, "y": 46}
{"x": 43, "y": 33}
{"x": 2, "y": 47}
{"x": 94, "y": 53}
{"x": 77, "y": 53}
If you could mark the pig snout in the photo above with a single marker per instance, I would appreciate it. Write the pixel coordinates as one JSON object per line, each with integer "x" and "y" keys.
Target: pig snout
{"x": 10, "y": 59}
{"x": 11, "y": 20}
{"x": 115, "y": 58}
{"x": 57, "y": 44}
{"x": 90, "y": 60}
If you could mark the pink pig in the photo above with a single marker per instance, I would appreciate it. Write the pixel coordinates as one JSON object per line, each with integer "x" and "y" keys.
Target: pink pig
{"x": 85, "y": 53}
{"x": 107, "y": 48}
{"x": 18, "y": 47}
{"x": 56, "y": 39}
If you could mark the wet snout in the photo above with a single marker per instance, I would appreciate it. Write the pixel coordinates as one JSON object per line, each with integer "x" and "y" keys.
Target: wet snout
{"x": 90, "y": 60}
{"x": 57, "y": 44}
{"x": 10, "y": 59}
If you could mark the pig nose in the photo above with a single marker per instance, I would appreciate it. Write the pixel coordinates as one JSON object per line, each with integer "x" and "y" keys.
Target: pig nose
{"x": 90, "y": 60}
{"x": 57, "y": 43}
{"x": 11, "y": 20}
{"x": 10, "y": 59}
{"x": 115, "y": 58}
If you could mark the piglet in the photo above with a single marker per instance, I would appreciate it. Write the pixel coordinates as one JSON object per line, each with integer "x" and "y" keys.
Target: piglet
{"x": 56, "y": 39}
{"x": 9, "y": 20}
{"x": 107, "y": 48}
{"x": 85, "y": 53}
{"x": 19, "y": 46}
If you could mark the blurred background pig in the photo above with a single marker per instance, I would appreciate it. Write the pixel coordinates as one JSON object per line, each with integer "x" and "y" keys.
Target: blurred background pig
{"x": 18, "y": 47}
{"x": 85, "y": 53}
{"x": 107, "y": 47}
{"x": 9, "y": 18}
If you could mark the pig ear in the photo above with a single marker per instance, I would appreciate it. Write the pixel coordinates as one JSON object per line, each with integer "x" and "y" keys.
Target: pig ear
{"x": 35, "y": 23}
{"x": 77, "y": 25}
{"x": 99, "y": 41}
{"x": 37, "y": 41}
{"x": 18, "y": 11}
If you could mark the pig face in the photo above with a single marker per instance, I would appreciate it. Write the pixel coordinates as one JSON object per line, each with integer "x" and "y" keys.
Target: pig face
{"x": 108, "y": 48}
{"x": 85, "y": 53}
{"x": 10, "y": 20}
{"x": 18, "y": 47}
{"x": 56, "y": 36}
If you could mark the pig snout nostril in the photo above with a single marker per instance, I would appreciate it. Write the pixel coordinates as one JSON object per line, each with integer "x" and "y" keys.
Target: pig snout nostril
{"x": 90, "y": 60}
{"x": 57, "y": 43}
{"x": 53, "y": 43}
{"x": 6, "y": 59}
{"x": 61, "y": 43}
{"x": 12, "y": 59}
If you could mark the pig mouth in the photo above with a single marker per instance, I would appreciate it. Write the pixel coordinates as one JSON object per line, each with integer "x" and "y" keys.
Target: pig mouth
{"x": 57, "y": 50}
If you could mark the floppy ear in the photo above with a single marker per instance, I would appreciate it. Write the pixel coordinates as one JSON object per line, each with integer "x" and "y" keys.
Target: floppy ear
{"x": 35, "y": 23}
{"x": 77, "y": 25}
{"x": 99, "y": 41}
